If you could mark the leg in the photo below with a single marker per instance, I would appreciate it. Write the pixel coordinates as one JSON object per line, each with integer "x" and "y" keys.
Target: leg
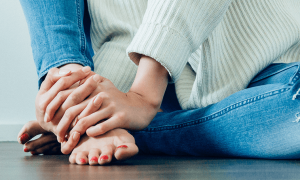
{"x": 258, "y": 122}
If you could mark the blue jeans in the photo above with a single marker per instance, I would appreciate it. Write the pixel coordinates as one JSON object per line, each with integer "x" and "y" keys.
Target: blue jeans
{"x": 258, "y": 122}
{"x": 59, "y": 32}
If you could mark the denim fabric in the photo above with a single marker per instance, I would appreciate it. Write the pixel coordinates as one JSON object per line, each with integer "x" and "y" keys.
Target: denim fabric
{"x": 258, "y": 122}
{"x": 57, "y": 33}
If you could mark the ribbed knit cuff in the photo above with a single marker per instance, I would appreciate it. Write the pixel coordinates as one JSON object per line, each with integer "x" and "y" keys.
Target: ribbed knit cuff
{"x": 162, "y": 43}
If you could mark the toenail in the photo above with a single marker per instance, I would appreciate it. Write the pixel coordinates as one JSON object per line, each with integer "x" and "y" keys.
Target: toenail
{"x": 104, "y": 157}
{"x": 95, "y": 159}
{"x": 33, "y": 152}
{"x": 82, "y": 160}
{"x": 26, "y": 150}
{"x": 122, "y": 146}
{"x": 24, "y": 138}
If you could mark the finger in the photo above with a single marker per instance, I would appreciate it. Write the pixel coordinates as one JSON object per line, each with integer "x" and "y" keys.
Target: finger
{"x": 92, "y": 107}
{"x": 56, "y": 103}
{"x": 80, "y": 93}
{"x": 67, "y": 119}
{"x": 40, "y": 142}
{"x": 29, "y": 130}
{"x": 67, "y": 147}
{"x": 105, "y": 126}
{"x": 52, "y": 77}
{"x": 63, "y": 84}
{"x": 83, "y": 124}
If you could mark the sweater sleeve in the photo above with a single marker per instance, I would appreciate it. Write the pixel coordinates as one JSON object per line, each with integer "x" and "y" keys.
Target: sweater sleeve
{"x": 173, "y": 29}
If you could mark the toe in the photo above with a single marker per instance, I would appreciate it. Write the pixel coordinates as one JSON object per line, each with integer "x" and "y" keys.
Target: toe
{"x": 29, "y": 130}
{"x": 106, "y": 154}
{"x": 94, "y": 156}
{"x": 72, "y": 158}
{"x": 125, "y": 151}
{"x": 42, "y": 141}
{"x": 82, "y": 157}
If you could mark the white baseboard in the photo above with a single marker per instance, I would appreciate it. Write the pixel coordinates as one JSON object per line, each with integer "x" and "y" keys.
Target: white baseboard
{"x": 9, "y": 132}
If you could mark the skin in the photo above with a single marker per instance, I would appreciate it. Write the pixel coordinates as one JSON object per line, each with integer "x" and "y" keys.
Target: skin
{"x": 95, "y": 100}
{"x": 89, "y": 149}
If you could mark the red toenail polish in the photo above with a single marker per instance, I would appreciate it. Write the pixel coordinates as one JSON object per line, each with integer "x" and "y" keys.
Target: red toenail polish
{"x": 122, "y": 146}
{"x": 82, "y": 161}
{"x": 26, "y": 150}
{"x": 33, "y": 152}
{"x": 104, "y": 157}
{"x": 94, "y": 159}
{"x": 24, "y": 138}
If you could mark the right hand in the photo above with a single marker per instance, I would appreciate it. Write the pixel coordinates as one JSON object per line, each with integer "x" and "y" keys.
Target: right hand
{"x": 57, "y": 86}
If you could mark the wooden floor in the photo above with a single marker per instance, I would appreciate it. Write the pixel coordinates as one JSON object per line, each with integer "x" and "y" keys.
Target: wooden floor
{"x": 15, "y": 164}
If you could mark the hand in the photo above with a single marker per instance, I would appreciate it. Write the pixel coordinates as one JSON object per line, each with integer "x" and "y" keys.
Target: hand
{"x": 133, "y": 110}
{"x": 56, "y": 87}
{"x": 113, "y": 109}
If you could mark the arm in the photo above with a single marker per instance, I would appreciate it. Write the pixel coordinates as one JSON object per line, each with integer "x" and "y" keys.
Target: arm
{"x": 57, "y": 34}
{"x": 58, "y": 40}
{"x": 173, "y": 29}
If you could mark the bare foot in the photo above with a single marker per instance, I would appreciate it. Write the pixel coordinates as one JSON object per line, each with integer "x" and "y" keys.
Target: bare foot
{"x": 46, "y": 144}
{"x": 101, "y": 149}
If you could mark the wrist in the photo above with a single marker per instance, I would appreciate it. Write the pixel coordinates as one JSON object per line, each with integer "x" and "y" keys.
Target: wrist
{"x": 150, "y": 82}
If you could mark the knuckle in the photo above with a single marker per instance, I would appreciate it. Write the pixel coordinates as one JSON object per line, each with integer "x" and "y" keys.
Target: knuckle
{"x": 51, "y": 71}
{"x": 82, "y": 124}
{"x": 101, "y": 128}
{"x": 41, "y": 107}
{"x": 121, "y": 116}
{"x": 60, "y": 95}
{"x": 62, "y": 82}
{"x": 69, "y": 114}
{"x": 75, "y": 98}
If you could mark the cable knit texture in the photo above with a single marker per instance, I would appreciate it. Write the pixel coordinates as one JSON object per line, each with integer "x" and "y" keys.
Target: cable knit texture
{"x": 211, "y": 49}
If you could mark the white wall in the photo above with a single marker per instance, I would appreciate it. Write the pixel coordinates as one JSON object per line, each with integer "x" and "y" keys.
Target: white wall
{"x": 18, "y": 79}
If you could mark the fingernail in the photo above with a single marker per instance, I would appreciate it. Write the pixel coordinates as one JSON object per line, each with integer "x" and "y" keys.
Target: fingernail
{"x": 26, "y": 150}
{"x": 82, "y": 160}
{"x": 122, "y": 146}
{"x": 76, "y": 136}
{"x": 95, "y": 159}
{"x": 104, "y": 157}
{"x": 46, "y": 117}
{"x": 24, "y": 138}
{"x": 97, "y": 101}
{"x": 86, "y": 69}
{"x": 63, "y": 72}
{"x": 97, "y": 78}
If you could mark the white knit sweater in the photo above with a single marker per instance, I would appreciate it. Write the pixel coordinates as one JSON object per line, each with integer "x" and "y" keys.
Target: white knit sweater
{"x": 211, "y": 48}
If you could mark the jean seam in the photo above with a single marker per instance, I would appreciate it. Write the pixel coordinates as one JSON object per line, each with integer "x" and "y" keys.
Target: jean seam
{"x": 295, "y": 77}
{"x": 82, "y": 41}
{"x": 219, "y": 113}
{"x": 266, "y": 76}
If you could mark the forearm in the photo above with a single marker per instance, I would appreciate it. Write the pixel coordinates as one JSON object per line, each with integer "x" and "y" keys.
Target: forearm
{"x": 151, "y": 81}
{"x": 57, "y": 34}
